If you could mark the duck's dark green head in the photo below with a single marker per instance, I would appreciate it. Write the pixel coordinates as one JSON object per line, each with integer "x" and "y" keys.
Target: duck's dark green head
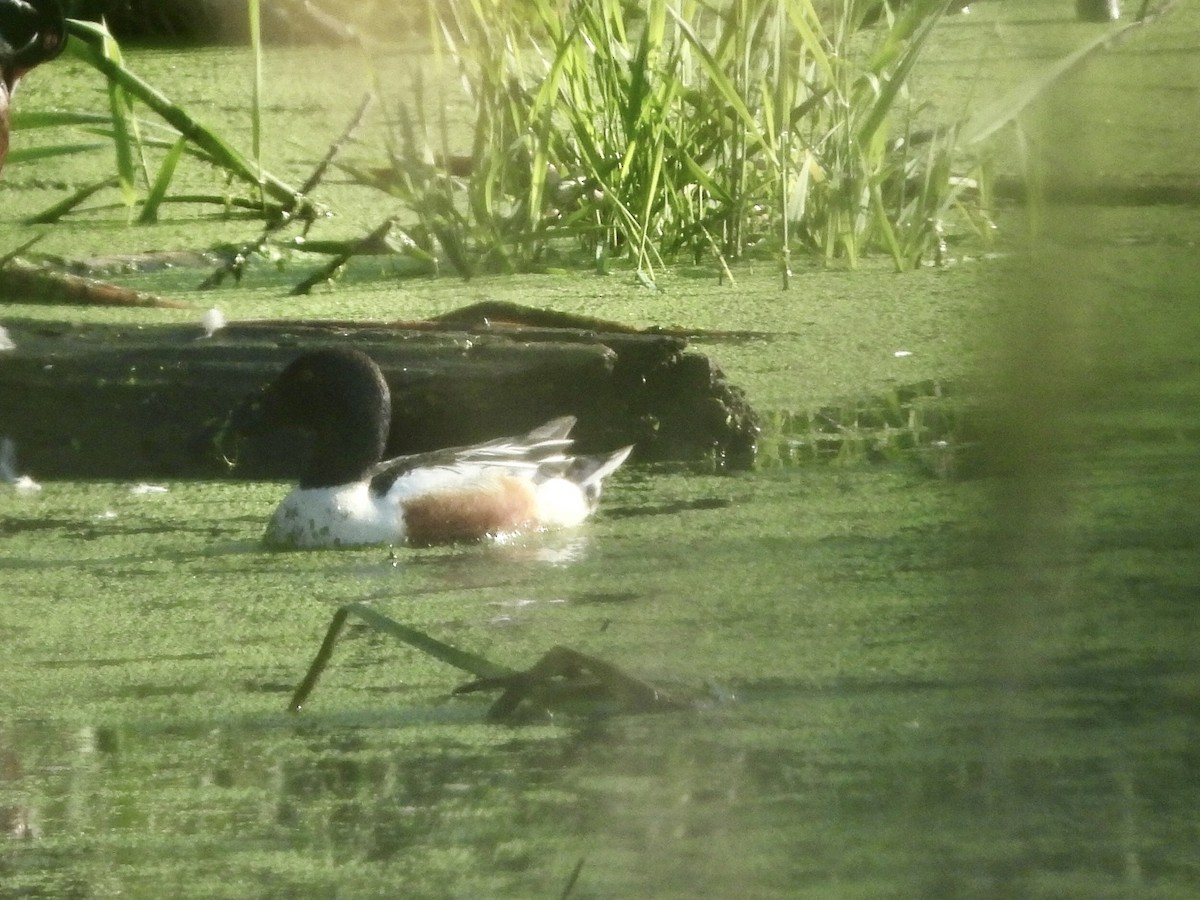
{"x": 338, "y": 396}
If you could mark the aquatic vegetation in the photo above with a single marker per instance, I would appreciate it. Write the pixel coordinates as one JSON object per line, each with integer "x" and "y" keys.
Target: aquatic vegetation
{"x": 923, "y": 423}
{"x": 677, "y": 131}
{"x": 673, "y": 130}
{"x": 669, "y": 130}
{"x": 606, "y": 135}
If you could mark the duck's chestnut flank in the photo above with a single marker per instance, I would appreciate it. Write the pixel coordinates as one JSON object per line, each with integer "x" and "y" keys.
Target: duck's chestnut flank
{"x": 507, "y": 505}
{"x": 349, "y": 495}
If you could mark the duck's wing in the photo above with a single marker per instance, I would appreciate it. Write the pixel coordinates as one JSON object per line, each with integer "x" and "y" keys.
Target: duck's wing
{"x": 545, "y": 447}
{"x": 586, "y": 471}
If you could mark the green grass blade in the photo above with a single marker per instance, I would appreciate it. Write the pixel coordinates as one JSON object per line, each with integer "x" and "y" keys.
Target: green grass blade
{"x": 255, "y": 21}
{"x": 25, "y": 154}
{"x": 223, "y": 154}
{"x": 721, "y": 82}
{"x": 894, "y": 79}
{"x": 53, "y": 213}
{"x": 158, "y": 190}
{"x": 910, "y": 21}
{"x": 120, "y": 108}
{"x": 22, "y": 121}
{"x": 801, "y": 14}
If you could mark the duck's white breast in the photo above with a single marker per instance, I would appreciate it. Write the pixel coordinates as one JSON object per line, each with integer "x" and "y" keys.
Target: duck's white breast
{"x": 345, "y": 516}
{"x": 561, "y": 503}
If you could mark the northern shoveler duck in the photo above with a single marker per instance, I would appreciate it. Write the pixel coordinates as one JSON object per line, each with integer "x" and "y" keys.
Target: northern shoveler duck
{"x": 31, "y": 32}
{"x": 350, "y": 496}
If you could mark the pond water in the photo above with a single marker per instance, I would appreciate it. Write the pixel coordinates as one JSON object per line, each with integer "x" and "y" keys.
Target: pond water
{"x": 982, "y": 687}
{"x": 974, "y": 688}
{"x": 893, "y": 720}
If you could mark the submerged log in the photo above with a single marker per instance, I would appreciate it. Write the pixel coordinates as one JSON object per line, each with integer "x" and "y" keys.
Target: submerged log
{"x": 105, "y": 401}
{"x": 25, "y": 283}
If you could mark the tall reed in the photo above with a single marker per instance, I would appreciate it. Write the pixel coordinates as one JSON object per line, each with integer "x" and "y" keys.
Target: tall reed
{"x": 676, "y": 128}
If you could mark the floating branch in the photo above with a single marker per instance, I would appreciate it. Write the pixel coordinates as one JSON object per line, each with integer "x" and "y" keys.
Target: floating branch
{"x": 460, "y": 659}
{"x": 562, "y": 678}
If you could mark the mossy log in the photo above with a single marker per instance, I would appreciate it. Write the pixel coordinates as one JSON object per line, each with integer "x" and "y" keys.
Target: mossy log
{"x": 102, "y": 401}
